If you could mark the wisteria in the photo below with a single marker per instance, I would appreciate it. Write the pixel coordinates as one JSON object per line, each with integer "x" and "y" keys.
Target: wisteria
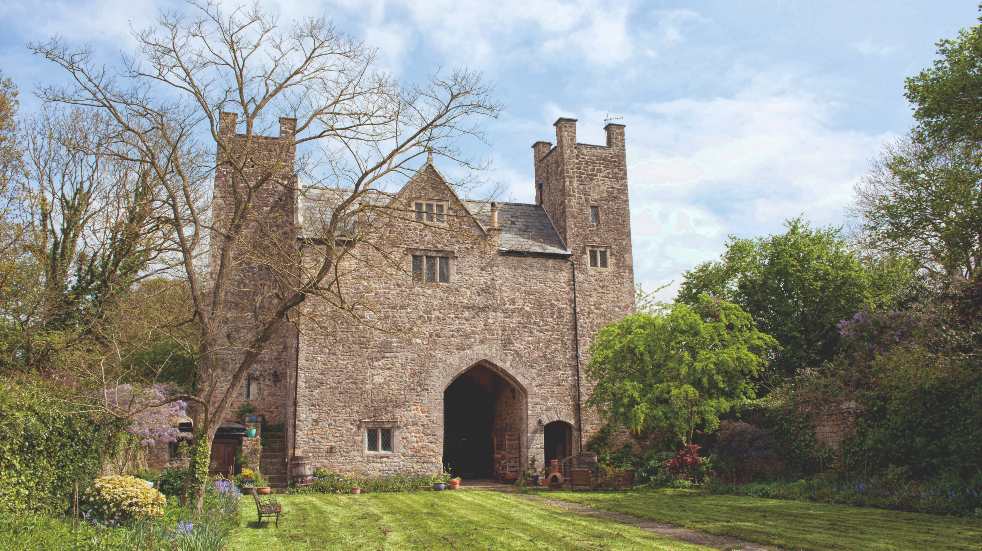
{"x": 151, "y": 424}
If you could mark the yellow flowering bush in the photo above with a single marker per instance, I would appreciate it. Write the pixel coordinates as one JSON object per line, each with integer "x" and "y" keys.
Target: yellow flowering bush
{"x": 115, "y": 499}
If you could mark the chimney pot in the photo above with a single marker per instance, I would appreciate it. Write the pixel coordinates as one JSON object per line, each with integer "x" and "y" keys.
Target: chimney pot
{"x": 494, "y": 215}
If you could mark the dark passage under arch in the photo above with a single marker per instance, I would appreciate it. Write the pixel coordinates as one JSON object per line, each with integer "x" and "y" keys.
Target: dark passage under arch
{"x": 483, "y": 418}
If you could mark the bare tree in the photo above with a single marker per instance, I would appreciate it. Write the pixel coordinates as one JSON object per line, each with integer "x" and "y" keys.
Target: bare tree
{"x": 357, "y": 130}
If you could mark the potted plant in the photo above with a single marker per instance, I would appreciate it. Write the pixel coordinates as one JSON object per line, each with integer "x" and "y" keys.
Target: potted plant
{"x": 439, "y": 486}
{"x": 245, "y": 411}
{"x": 356, "y": 490}
{"x": 262, "y": 487}
{"x": 246, "y": 479}
{"x": 455, "y": 483}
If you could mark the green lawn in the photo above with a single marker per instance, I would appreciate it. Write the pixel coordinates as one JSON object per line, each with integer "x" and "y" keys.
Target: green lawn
{"x": 789, "y": 524}
{"x": 435, "y": 520}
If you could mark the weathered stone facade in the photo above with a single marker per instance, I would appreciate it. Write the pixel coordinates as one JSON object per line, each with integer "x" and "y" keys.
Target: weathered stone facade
{"x": 522, "y": 303}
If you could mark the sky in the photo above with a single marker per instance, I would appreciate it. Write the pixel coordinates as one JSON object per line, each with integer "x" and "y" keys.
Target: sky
{"x": 739, "y": 115}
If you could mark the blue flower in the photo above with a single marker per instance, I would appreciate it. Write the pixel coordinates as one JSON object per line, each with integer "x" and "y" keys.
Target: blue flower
{"x": 184, "y": 528}
{"x": 225, "y": 486}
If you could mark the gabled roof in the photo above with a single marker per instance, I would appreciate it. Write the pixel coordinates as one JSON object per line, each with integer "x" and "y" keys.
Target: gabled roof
{"x": 525, "y": 228}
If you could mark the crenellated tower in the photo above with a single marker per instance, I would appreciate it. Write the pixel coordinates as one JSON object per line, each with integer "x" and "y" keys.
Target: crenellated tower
{"x": 583, "y": 188}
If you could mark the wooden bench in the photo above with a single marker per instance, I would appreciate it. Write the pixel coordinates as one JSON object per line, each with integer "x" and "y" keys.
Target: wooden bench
{"x": 267, "y": 507}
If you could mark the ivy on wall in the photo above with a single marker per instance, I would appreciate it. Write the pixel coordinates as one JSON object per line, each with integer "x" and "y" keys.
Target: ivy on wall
{"x": 46, "y": 447}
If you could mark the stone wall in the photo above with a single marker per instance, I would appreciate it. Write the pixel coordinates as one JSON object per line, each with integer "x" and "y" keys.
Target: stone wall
{"x": 387, "y": 356}
{"x": 389, "y": 364}
{"x": 261, "y": 268}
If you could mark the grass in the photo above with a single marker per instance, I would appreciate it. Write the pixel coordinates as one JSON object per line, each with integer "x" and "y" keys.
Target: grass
{"x": 435, "y": 520}
{"x": 790, "y": 524}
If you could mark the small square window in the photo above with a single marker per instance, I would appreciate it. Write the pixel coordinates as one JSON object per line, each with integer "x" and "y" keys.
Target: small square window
{"x": 379, "y": 440}
{"x": 595, "y": 215}
{"x": 431, "y": 269}
{"x": 598, "y": 258}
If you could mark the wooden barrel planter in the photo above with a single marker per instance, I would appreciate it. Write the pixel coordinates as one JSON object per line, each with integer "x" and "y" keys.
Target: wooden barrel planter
{"x": 301, "y": 471}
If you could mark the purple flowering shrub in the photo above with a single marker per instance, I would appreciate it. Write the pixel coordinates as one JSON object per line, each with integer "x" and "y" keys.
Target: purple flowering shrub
{"x": 149, "y": 422}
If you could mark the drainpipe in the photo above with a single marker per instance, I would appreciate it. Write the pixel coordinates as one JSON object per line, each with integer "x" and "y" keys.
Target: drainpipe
{"x": 576, "y": 344}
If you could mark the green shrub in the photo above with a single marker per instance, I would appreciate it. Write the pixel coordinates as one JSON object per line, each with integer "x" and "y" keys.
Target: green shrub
{"x": 47, "y": 447}
{"x": 179, "y": 528}
{"x": 331, "y": 483}
{"x": 173, "y": 481}
{"x": 117, "y": 499}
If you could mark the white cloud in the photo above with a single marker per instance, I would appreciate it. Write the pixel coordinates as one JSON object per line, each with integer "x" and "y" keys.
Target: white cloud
{"x": 702, "y": 169}
{"x": 108, "y": 21}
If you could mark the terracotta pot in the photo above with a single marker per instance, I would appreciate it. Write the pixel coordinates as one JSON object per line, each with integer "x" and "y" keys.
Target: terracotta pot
{"x": 454, "y": 483}
{"x": 356, "y": 490}
{"x": 264, "y": 490}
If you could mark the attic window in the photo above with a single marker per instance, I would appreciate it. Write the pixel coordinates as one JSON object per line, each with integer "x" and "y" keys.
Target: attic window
{"x": 433, "y": 212}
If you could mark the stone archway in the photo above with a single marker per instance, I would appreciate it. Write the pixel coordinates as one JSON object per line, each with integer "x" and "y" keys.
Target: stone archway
{"x": 484, "y": 423}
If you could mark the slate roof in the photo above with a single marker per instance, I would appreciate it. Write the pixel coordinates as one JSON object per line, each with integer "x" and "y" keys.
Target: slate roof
{"x": 525, "y": 228}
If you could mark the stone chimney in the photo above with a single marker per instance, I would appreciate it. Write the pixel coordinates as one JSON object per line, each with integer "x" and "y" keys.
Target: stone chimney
{"x": 226, "y": 123}
{"x": 565, "y": 133}
{"x": 288, "y": 127}
{"x": 539, "y": 151}
{"x": 615, "y": 135}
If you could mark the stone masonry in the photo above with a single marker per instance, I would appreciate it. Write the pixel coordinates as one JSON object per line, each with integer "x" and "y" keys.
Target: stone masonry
{"x": 522, "y": 300}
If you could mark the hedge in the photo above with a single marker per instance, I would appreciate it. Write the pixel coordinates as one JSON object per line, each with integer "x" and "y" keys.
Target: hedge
{"x": 46, "y": 447}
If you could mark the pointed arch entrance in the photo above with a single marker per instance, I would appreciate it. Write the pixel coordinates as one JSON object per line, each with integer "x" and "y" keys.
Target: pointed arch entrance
{"x": 484, "y": 423}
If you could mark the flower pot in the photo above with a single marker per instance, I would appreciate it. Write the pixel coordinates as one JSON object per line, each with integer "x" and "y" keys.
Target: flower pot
{"x": 251, "y": 432}
{"x": 356, "y": 490}
{"x": 263, "y": 490}
{"x": 454, "y": 483}
{"x": 439, "y": 486}
{"x": 535, "y": 479}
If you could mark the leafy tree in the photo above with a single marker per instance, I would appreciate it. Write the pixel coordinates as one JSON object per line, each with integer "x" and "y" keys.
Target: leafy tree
{"x": 797, "y": 286}
{"x": 678, "y": 370}
{"x": 947, "y": 97}
{"x": 924, "y": 196}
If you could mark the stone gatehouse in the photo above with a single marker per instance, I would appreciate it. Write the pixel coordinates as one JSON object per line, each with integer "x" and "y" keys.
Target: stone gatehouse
{"x": 477, "y": 320}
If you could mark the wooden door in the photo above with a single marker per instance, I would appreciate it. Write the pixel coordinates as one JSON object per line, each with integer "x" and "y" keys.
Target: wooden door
{"x": 223, "y": 456}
